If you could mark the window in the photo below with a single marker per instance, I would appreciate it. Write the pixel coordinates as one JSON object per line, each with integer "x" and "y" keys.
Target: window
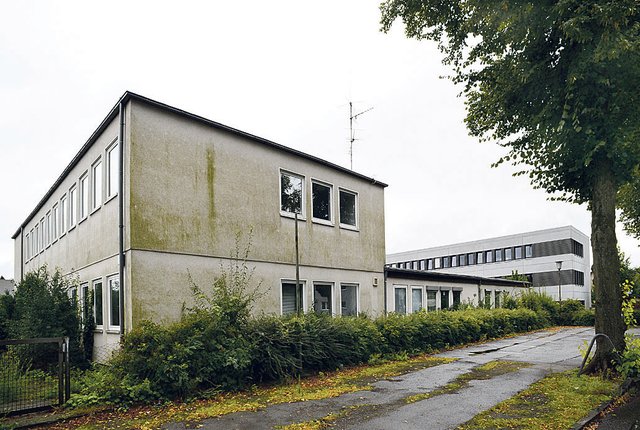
{"x": 63, "y": 215}
{"x": 348, "y": 208}
{"x": 36, "y": 247}
{"x": 401, "y": 300}
{"x": 26, "y": 247}
{"x": 431, "y": 301}
{"x": 446, "y": 262}
{"x": 416, "y": 299}
{"x": 577, "y": 248}
{"x": 422, "y": 264}
{"x": 114, "y": 302}
{"x": 414, "y": 265}
{"x": 528, "y": 251}
{"x": 454, "y": 261}
{"x": 349, "y": 299}
{"x": 471, "y": 258}
{"x": 47, "y": 229}
{"x": 96, "y": 183}
{"x": 322, "y": 298}
{"x": 487, "y": 298}
{"x": 289, "y": 303}
{"x": 321, "y": 201}
{"x": 479, "y": 257}
{"x": 488, "y": 257}
{"x": 437, "y": 263}
{"x": 457, "y": 298}
{"x": 462, "y": 259}
{"x": 498, "y": 299}
{"x": 508, "y": 254}
{"x": 84, "y": 296}
{"x": 444, "y": 299}
{"x": 43, "y": 234}
{"x": 430, "y": 264}
{"x": 112, "y": 170}
{"x": 97, "y": 302}
{"x": 291, "y": 187}
{"x": 498, "y": 254}
{"x": 84, "y": 197}
{"x": 73, "y": 206}
{"x": 518, "y": 252}
{"x": 578, "y": 278}
{"x": 54, "y": 223}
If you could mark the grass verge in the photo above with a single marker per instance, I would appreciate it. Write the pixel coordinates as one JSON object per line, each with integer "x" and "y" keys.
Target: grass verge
{"x": 557, "y": 401}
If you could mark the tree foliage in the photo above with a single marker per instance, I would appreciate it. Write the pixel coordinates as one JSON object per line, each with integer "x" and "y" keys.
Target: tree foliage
{"x": 629, "y": 203}
{"x": 556, "y": 84}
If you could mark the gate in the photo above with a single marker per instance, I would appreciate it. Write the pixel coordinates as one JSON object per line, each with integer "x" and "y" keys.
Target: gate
{"x": 34, "y": 374}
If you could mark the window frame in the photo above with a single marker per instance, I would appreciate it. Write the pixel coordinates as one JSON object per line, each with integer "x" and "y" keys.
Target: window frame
{"x": 95, "y": 307}
{"x": 42, "y": 235}
{"x": 302, "y": 214}
{"x": 47, "y": 229}
{"x": 515, "y": 252}
{"x": 113, "y": 327}
{"x": 111, "y": 167}
{"x": 54, "y": 223}
{"x": 63, "y": 216}
{"x": 84, "y": 196}
{"x": 508, "y": 254}
{"x": 331, "y": 285}
{"x": 491, "y": 255}
{"x": 96, "y": 203}
{"x": 499, "y": 252}
{"x": 528, "y": 251}
{"x": 356, "y": 209}
{"x": 395, "y": 302}
{"x": 421, "y": 289}
{"x": 331, "y": 220}
{"x": 73, "y": 207}
{"x": 357, "y": 287}
{"x": 303, "y": 284}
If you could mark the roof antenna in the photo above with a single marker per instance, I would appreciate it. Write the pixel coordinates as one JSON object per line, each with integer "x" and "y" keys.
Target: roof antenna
{"x": 352, "y": 134}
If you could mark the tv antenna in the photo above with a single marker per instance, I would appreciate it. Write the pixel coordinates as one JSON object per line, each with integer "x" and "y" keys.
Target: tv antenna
{"x": 352, "y": 133}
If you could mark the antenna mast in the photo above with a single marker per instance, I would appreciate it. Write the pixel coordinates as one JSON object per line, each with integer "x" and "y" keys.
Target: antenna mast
{"x": 352, "y": 135}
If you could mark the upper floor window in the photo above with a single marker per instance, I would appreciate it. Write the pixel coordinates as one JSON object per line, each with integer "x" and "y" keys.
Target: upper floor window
{"x": 96, "y": 181}
{"x": 488, "y": 257}
{"x": 43, "y": 234}
{"x": 446, "y": 262}
{"x": 518, "y": 252}
{"x": 26, "y": 247}
{"x": 437, "y": 262}
{"x": 63, "y": 215}
{"x": 508, "y": 254}
{"x": 454, "y": 261}
{"x": 84, "y": 196}
{"x": 291, "y": 195}
{"x": 430, "y": 264}
{"x": 498, "y": 254}
{"x": 528, "y": 251}
{"x": 321, "y": 199}
{"x": 73, "y": 206}
{"x": 479, "y": 257}
{"x": 471, "y": 258}
{"x": 112, "y": 170}
{"x": 348, "y": 208}
{"x": 47, "y": 229}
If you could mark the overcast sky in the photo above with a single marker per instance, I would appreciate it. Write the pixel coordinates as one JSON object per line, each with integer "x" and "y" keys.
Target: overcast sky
{"x": 283, "y": 70}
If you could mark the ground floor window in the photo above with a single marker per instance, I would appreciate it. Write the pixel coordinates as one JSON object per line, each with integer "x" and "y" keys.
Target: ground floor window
{"x": 431, "y": 301}
{"x": 498, "y": 299}
{"x": 457, "y": 298}
{"x": 292, "y": 298}
{"x": 401, "y": 300}
{"x": 114, "y": 302}
{"x": 444, "y": 299}
{"x": 349, "y": 300}
{"x": 416, "y": 299}
{"x": 97, "y": 302}
{"x": 322, "y": 298}
{"x": 487, "y": 298}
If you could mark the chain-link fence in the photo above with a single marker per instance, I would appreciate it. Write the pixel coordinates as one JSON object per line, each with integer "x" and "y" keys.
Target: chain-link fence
{"x": 34, "y": 374}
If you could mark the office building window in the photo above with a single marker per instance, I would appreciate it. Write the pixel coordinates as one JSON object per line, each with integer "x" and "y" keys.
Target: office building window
{"x": 487, "y": 298}
{"x": 290, "y": 303}
{"x": 479, "y": 257}
{"x": 431, "y": 301}
{"x": 508, "y": 254}
{"x": 454, "y": 261}
{"x": 462, "y": 259}
{"x": 73, "y": 206}
{"x": 112, "y": 170}
{"x": 498, "y": 299}
{"x": 577, "y": 248}
{"x": 349, "y": 299}
{"x": 457, "y": 298}
{"x": 114, "y": 302}
{"x": 97, "y": 303}
{"x": 518, "y": 252}
{"x": 488, "y": 257}
{"x": 291, "y": 195}
{"x": 321, "y": 196}
{"x": 43, "y": 234}
{"x": 444, "y": 299}
{"x": 423, "y": 264}
{"x": 401, "y": 300}
{"x": 446, "y": 262}
{"x": 430, "y": 264}
{"x": 578, "y": 277}
{"x": 323, "y": 298}
{"x": 528, "y": 251}
{"x": 54, "y": 223}
{"x": 84, "y": 196}
{"x": 416, "y": 299}
{"x": 471, "y": 258}
{"x": 498, "y": 254}
{"x": 63, "y": 215}
{"x": 96, "y": 183}
{"x": 47, "y": 229}
{"x": 348, "y": 208}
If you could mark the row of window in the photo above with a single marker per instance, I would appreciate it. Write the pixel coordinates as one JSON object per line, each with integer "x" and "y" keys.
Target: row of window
{"x": 468, "y": 259}
{"x": 93, "y": 188}
{"x": 106, "y": 313}
{"x": 424, "y": 299}
{"x": 292, "y": 201}
{"x": 323, "y": 298}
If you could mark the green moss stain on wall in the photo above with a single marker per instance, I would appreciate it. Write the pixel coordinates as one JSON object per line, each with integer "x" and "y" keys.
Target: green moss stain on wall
{"x": 211, "y": 176}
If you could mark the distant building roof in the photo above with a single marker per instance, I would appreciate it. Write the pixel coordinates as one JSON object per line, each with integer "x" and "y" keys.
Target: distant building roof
{"x": 451, "y": 277}
{"x": 6, "y": 285}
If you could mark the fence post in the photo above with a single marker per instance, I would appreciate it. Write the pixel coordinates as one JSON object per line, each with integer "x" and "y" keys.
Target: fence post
{"x": 67, "y": 379}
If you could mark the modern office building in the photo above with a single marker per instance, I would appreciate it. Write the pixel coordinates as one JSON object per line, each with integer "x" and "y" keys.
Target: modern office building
{"x": 556, "y": 260}
{"x": 156, "y": 198}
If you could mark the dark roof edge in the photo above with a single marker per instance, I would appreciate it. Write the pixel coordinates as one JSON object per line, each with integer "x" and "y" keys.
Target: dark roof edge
{"x": 437, "y": 276}
{"x": 128, "y": 95}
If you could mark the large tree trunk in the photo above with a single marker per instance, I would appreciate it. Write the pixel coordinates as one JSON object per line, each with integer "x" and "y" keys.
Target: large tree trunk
{"x": 608, "y": 295}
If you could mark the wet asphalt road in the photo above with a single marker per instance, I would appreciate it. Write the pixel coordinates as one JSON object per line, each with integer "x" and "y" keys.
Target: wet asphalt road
{"x": 384, "y": 407}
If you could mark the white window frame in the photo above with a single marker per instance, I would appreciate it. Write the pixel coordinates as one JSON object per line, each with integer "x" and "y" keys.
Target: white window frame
{"x": 72, "y": 213}
{"x": 26, "y": 247}
{"x": 32, "y": 248}
{"x": 357, "y": 209}
{"x": 93, "y": 288}
{"x": 303, "y": 200}
{"x": 110, "y": 326}
{"x": 331, "y": 219}
{"x": 357, "y": 287}
{"x": 47, "y": 230}
{"x": 332, "y": 285}
{"x": 421, "y": 289}
{"x": 62, "y": 225}
{"x": 111, "y": 168}
{"x": 42, "y": 235}
{"x": 97, "y": 185}
{"x": 406, "y": 298}
{"x": 54, "y": 223}
{"x": 83, "y": 194}
{"x": 302, "y": 282}
{"x": 82, "y": 298}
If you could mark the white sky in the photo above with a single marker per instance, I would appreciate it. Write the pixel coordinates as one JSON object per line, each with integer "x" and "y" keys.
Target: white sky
{"x": 283, "y": 70}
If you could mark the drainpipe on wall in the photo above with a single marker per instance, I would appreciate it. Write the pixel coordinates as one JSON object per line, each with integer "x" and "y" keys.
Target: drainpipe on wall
{"x": 121, "y": 257}
{"x": 21, "y": 254}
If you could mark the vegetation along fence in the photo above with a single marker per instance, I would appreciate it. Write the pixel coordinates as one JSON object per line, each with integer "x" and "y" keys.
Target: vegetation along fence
{"x": 34, "y": 374}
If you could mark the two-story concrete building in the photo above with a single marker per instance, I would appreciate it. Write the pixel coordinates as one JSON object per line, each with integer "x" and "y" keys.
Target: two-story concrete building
{"x": 157, "y": 195}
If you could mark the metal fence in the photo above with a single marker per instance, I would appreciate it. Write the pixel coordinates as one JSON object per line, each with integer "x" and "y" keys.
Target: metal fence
{"x": 34, "y": 374}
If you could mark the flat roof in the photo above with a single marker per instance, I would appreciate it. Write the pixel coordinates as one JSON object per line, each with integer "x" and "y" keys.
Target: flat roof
{"x": 127, "y": 96}
{"x": 423, "y": 275}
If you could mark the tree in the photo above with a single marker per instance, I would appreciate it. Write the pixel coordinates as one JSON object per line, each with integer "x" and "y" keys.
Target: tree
{"x": 556, "y": 84}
